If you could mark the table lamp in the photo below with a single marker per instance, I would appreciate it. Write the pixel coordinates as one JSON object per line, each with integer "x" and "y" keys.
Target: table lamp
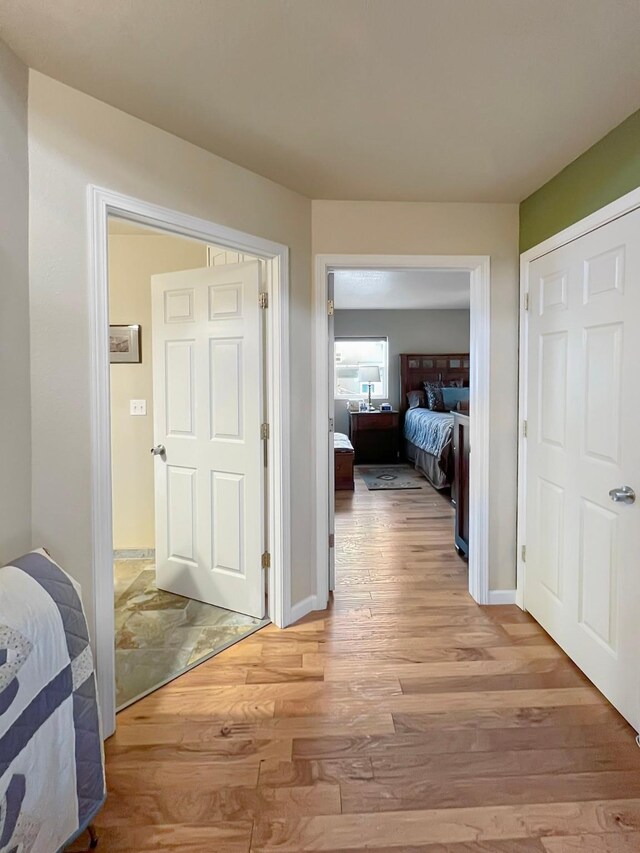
{"x": 369, "y": 375}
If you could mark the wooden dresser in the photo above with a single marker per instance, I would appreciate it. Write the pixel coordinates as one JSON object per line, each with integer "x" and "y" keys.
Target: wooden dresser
{"x": 375, "y": 437}
{"x": 460, "y": 485}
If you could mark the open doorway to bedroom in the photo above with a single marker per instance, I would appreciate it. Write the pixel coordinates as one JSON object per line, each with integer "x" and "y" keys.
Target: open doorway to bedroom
{"x": 182, "y": 446}
{"x": 401, "y": 389}
{"x": 386, "y": 472}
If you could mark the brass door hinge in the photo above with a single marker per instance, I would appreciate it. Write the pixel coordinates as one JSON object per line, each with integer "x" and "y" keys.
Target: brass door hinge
{"x": 263, "y": 299}
{"x": 266, "y": 560}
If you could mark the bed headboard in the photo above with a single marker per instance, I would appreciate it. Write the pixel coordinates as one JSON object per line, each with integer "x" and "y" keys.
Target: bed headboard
{"x": 416, "y": 368}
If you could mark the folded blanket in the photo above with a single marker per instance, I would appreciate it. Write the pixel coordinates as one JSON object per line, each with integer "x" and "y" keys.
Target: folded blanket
{"x": 51, "y": 761}
{"x": 341, "y": 442}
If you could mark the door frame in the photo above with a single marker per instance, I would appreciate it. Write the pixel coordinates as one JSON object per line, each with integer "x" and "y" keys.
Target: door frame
{"x": 103, "y": 203}
{"x": 610, "y": 212}
{"x": 479, "y": 268}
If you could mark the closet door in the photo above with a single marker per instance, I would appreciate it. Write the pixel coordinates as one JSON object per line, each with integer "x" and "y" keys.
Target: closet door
{"x": 582, "y": 580}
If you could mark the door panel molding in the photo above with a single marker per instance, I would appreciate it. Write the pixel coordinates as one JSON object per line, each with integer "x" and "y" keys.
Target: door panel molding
{"x": 102, "y": 203}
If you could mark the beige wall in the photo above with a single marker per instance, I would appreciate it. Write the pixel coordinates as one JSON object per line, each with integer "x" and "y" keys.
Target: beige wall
{"x": 15, "y": 403}
{"x": 407, "y": 331}
{"x": 133, "y": 259}
{"x": 448, "y": 229}
{"x": 75, "y": 141}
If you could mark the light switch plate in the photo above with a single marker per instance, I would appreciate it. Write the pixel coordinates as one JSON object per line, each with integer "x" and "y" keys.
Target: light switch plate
{"x": 137, "y": 407}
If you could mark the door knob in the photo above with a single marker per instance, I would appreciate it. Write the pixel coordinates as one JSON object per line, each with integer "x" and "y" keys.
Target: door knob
{"x": 158, "y": 450}
{"x": 623, "y": 495}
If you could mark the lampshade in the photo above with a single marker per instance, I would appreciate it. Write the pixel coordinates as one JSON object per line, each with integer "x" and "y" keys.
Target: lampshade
{"x": 369, "y": 374}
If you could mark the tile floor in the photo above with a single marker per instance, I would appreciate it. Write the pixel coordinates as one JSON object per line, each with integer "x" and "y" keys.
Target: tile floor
{"x": 159, "y": 634}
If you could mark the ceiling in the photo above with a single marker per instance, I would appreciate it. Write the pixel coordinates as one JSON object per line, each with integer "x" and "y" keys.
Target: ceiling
{"x": 415, "y": 100}
{"x": 401, "y": 289}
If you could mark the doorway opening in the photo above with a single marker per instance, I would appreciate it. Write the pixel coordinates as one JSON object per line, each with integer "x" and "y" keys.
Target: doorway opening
{"x": 170, "y": 298}
{"x": 354, "y": 338}
{"x": 228, "y": 490}
{"x": 401, "y": 412}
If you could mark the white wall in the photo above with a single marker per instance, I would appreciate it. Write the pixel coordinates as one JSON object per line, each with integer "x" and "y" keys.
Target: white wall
{"x": 454, "y": 229}
{"x": 15, "y": 402}
{"x": 133, "y": 259}
{"x": 408, "y": 331}
{"x": 75, "y": 141}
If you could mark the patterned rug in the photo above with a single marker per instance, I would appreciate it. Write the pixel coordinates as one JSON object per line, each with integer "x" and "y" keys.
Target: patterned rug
{"x": 389, "y": 477}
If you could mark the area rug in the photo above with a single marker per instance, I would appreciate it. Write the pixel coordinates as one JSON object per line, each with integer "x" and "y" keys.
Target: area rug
{"x": 389, "y": 477}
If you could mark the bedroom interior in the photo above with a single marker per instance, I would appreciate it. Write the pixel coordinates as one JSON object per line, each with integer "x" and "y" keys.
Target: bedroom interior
{"x": 401, "y": 389}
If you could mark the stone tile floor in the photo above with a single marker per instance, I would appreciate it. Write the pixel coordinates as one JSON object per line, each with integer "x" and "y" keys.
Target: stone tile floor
{"x": 159, "y": 634}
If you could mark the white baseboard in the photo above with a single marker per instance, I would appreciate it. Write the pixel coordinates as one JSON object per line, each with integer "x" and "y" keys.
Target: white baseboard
{"x": 502, "y": 596}
{"x": 301, "y": 608}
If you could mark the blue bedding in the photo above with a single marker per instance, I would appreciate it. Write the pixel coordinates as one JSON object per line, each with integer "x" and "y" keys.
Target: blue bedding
{"x": 430, "y": 431}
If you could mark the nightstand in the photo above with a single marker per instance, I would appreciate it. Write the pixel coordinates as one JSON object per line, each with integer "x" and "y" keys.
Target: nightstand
{"x": 375, "y": 437}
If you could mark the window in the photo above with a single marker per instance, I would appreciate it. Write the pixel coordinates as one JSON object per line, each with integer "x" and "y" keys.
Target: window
{"x": 351, "y": 354}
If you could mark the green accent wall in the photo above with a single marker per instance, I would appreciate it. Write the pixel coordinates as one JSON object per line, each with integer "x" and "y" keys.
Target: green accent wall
{"x": 608, "y": 170}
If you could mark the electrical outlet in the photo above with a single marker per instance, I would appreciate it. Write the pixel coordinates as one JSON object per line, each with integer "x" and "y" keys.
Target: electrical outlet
{"x": 137, "y": 407}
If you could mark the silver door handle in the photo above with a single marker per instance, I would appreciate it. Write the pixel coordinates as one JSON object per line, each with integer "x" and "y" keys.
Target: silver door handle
{"x": 623, "y": 495}
{"x": 159, "y": 450}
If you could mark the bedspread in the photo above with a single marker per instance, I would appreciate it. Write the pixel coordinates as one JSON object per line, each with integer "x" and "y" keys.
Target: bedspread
{"x": 430, "y": 431}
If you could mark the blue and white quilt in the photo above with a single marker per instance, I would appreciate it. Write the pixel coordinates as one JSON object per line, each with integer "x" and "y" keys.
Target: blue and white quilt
{"x": 428, "y": 430}
{"x": 51, "y": 760}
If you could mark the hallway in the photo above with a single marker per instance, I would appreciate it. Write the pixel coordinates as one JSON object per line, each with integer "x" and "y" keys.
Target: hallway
{"x": 405, "y": 718}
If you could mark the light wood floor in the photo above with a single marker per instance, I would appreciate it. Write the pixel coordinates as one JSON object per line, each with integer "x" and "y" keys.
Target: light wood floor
{"x": 405, "y": 718}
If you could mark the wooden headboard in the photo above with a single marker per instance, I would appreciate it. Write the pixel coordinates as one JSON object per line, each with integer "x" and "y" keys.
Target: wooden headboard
{"x": 416, "y": 368}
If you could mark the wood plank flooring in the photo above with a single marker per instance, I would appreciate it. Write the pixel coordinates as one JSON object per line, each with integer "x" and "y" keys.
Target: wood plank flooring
{"x": 405, "y": 718}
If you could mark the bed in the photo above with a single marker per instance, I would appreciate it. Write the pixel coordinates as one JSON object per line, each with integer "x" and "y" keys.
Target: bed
{"x": 427, "y": 444}
{"x": 428, "y": 435}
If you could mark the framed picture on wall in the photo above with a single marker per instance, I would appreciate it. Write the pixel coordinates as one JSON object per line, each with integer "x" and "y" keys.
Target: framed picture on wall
{"x": 124, "y": 344}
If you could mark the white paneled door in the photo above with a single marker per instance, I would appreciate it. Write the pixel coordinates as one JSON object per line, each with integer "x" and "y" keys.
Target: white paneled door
{"x": 582, "y": 579}
{"x": 209, "y": 462}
